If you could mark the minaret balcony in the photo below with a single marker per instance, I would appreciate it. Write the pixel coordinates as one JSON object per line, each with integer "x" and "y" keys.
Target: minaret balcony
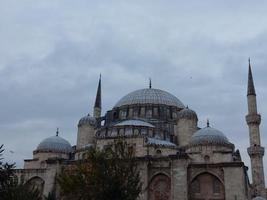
{"x": 255, "y": 150}
{"x": 253, "y": 119}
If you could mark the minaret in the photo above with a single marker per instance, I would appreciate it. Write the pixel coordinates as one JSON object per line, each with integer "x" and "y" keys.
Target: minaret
{"x": 255, "y": 150}
{"x": 97, "y": 107}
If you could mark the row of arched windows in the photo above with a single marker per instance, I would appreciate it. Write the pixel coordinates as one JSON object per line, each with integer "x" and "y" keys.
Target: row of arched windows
{"x": 166, "y": 112}
{"x": 204, "y": 186}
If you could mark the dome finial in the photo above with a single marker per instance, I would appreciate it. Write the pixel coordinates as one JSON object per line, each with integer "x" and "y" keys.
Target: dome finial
{"x": 208, "y": 123}
{"x": 150, "y": 83}
{"x": 57, "y": 132}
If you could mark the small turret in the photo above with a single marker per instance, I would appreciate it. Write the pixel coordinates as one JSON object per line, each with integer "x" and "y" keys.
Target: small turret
{"x": 186, "y": 126}
{"x": 86, "y": 131}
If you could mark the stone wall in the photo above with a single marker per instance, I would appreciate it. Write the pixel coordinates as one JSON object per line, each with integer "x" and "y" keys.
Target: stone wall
{"x": 139, "y": 146}
{"x": 39, "y": 159}
{"x": 235, "y": 184}
{"x": 210, "y": 154}
{"x": 179, "y": 179}
{"x": 86, "y": 134}
{"x": 47, "y": 175}
{"x": 184, "y": 130}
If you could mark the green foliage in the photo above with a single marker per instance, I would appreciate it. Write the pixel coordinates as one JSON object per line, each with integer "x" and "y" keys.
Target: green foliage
{"x": 110, "y": 174}
{"x": 10, "y": 188}
{"x": 6, "y": 171}
{"x": 20, "y": 191}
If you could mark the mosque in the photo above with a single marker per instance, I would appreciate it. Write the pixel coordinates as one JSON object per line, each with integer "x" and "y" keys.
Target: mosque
{"x": 177, "y": 159}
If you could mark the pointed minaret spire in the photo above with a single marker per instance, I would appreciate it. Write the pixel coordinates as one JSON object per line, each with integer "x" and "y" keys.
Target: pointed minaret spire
{"x": 98, "y": 103}
{"x": 57, "y": 132}
{"x": 251, "y": 88}
{"x": 150, "y": 83}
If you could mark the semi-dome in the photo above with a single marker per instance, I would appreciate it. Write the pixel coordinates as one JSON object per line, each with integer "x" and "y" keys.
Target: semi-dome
{"x": 150, "y": 96}
{"x": 87, "y": 120}
{"x": 187, "y": 113}
{"x": 134, "y": 122}
{"x": 55, "y": 144}
{"x": 209, "y": 135}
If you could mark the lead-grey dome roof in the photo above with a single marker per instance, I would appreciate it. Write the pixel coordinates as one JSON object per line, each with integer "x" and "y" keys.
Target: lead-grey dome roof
{"x": 134, "y": 122}
{"x": 150, "y": 96}
{"x": 187, "y": 113}
{"x": 55, "y": 144}
{"x": 258, "y": 198}
{"x": 159, "y": 142}
{"x": 87, "y": 120}
{"x": 209, "y": 135}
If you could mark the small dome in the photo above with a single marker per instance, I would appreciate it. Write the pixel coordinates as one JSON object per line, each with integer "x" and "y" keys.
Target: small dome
{"x": 258, "y": 198}
{"x": 87, "y": 120}
{"x": 187, "y": 113}
{"x": 209, "y": 135}
{"x": 55, "y": 144}
{"x": 150, "y": 96}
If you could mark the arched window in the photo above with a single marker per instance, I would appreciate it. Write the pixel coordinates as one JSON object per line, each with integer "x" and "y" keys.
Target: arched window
{"x": 128, "y": 131}
{"x": 206, "y": 186}
{"x": 216, "y": 186}
{"x": 158, "y": 152}
{"x": 115, "y": 115}
{"x": 131, "y": 150}
{"x": 206, "y": 158}
{"x": 123, "y": 114}
{"x": 155, "y": 112}
{"x": 121, "y": 132}
{"x": 160, "y": 188}
{"x": 143, "y": 131}
{"x": 149, "y": 113}
{"x": 136, "y": 112}
{"x": 136, "y": 131}
{"x": 114, "y": 132}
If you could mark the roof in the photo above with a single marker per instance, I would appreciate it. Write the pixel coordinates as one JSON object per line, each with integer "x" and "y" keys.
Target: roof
{"x": 98, "y": 102}
{"x": 159, "y": 142}
{"x": 87, "y": 120}
{"x": 55, "y": 144}
{"x": 251, "y": 88}
{"x": 134, "y": 122}
{"x": 150, "y": 96}
{"x": 209, "y": 135}
{"x": 187, "y": 113}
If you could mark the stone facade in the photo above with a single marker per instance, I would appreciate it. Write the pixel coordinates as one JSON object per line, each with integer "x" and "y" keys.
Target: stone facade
{"x": 177, "y": 159}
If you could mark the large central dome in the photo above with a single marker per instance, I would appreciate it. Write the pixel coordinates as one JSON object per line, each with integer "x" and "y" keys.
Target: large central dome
{"x": 150, "y": 96}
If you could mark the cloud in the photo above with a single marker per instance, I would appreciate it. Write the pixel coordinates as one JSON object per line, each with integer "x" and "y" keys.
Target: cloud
{"x": 52, "y": 53}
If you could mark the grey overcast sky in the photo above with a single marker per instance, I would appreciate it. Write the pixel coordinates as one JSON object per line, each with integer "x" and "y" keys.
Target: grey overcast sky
{"x": 52, "y": 52}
